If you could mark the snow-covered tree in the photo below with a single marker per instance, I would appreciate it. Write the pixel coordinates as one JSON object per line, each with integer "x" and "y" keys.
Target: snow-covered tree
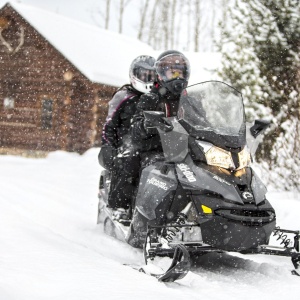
{"x": 261, "y": 57}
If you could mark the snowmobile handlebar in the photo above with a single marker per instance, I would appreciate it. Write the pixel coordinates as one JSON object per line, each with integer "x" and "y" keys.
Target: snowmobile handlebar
{"x": 157, "y": 119}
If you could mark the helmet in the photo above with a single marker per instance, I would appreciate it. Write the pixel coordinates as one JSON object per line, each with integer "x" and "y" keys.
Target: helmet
{"x": 142, "y": 73}
{"x": 173, "y": 71}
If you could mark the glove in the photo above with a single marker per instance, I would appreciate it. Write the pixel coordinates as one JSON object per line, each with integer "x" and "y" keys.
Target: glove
{"x": 106, "y": 156}
{"x": 154, "y": 121}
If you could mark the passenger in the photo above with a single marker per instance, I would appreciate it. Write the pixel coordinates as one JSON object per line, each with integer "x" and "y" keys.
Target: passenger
{"x": 117, "y": 153}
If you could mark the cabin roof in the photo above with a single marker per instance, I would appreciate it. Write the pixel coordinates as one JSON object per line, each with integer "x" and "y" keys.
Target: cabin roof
{"x": 101, "y": 55}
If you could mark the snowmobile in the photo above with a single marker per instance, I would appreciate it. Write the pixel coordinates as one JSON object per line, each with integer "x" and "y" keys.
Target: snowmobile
{"x": 202, "y": 196}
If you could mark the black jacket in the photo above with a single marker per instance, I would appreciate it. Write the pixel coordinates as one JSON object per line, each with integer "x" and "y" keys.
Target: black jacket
{"x": 122, "y": 108}
{"x": 159, "y": 99}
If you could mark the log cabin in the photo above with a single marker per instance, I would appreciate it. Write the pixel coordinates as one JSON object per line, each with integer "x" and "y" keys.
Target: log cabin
{"x": 56, "y": 78}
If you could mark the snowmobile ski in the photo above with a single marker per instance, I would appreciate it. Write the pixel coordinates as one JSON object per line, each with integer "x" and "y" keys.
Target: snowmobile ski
{"x": 179, "y": 267}
{"x": 180, "y": 264}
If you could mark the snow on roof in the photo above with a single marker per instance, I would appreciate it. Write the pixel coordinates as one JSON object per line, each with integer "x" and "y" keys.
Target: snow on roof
{"x": 104, "y": 56}
{"x": 101, "y": 55}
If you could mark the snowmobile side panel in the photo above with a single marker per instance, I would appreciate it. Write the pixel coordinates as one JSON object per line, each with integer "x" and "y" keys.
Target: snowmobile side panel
{"x": 258, "y": 188}
{"x": 154, "y": 187}
{"x": 176, "y": 141}
{"x": 195, "y": 178}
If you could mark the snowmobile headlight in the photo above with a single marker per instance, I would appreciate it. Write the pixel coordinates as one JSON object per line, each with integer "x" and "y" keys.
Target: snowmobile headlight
{"x": 218, "y": 157}
{"x": 244, "y": 158}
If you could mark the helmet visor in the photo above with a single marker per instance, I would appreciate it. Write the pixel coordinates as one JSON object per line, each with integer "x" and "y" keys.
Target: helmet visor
{"x": 144, "y": 75}
{"x": 173, "y": 66}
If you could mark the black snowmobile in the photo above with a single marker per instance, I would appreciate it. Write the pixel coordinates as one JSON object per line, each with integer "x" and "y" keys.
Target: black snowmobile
{"x": 203, "y": 196}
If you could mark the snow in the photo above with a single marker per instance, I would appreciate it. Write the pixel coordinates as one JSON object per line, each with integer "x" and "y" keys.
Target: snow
{"x": 52, "y": 248}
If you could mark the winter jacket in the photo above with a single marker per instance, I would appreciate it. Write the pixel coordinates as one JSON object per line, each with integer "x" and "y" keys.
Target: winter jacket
{"x": 122, "y": 108}
{"x": 159, "y": 99}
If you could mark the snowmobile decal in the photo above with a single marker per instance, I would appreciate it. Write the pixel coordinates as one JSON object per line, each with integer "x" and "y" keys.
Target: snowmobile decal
{"x": 159, "y": 184}
{"x": 221, "y": 180}
{"x": 187, "y": 172}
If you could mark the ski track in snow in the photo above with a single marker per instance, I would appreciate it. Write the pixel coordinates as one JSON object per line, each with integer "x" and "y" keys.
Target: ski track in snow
{"x": 52, "y": 248}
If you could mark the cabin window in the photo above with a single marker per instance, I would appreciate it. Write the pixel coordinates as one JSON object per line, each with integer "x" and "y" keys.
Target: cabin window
{"x": 46, "y": 116}
{"x": 8, "y": 103}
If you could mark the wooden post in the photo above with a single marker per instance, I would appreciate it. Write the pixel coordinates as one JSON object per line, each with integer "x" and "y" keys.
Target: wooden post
{"x": 68, "y": 76}
{"x": 95, "y": 117}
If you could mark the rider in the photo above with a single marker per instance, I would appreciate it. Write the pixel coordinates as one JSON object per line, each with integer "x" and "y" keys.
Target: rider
{"x": 172, "y": 75}
{"x": 117, "y": 153}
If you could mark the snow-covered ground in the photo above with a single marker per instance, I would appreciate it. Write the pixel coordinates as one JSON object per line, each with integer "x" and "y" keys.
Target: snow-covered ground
{"x": 52, "y": 248}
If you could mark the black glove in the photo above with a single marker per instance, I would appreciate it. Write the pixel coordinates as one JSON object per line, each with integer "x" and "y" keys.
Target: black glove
{"x": 165, "y": 126}
{"x": 154, "y": 121}
{"x": 106, "y": 156}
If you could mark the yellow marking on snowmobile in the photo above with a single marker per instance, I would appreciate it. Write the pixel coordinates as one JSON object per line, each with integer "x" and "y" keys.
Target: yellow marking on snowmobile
{"x": 206, "y": 209}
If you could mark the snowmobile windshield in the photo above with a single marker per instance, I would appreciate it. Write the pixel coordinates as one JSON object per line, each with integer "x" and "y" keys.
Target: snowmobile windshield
{"x": 213, "y": 106}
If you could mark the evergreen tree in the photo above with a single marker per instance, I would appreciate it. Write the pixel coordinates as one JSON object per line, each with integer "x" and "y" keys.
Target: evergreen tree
{"x": 260, "y": 48}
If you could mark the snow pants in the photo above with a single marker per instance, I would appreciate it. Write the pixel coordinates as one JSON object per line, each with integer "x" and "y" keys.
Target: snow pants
{"x": 124, "y": 181}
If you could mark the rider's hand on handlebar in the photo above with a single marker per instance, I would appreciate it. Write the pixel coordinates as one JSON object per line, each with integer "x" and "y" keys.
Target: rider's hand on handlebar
{"x": 151, "y": 128}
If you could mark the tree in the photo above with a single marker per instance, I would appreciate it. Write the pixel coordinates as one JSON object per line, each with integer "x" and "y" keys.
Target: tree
{"x": 261, "y": 58}
{"x": 177, "y": 24}
{"x": 172, "y": 27}
{"x": 107, "y": 14}
{"x": 121, "y": 13}
{"x": 122, "y": 6}
{"x": 151, "y": 35}
{"x": 143, "y": 19}
{"x": 197, "y": 25}
{"x": 165, "y": 5}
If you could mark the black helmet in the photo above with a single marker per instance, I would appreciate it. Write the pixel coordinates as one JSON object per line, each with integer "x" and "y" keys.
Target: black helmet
{"x": 173, "y": 71}
{"x": 142, "y": 73}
